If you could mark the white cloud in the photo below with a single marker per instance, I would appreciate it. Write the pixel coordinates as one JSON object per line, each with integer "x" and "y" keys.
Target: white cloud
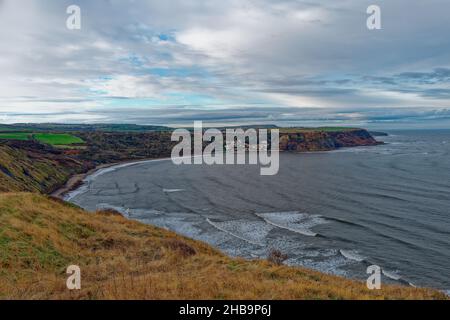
{"x": 127, "y": 86}
{"x": 223, "y": 44}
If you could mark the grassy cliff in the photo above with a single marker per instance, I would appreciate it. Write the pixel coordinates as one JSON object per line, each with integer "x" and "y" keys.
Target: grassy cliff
{"x": 30, "y": 166}
{"x": 122, "y": 259}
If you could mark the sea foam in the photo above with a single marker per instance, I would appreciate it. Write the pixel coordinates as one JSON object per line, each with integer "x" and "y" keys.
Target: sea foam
{"x": 294, "y": 221}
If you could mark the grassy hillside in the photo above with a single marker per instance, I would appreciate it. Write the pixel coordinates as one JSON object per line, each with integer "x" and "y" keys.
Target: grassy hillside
{"x": 29, "y": 166}
{"x": 122, "y": 259}
{"x": 108, "y": 147}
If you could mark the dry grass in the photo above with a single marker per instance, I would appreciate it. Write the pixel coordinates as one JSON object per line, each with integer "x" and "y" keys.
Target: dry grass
{"x": 122, "y": 259}
{"x": 29, "y": 166}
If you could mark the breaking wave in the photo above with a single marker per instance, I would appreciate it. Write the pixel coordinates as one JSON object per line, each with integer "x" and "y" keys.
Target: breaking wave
{"x": 172, "y": 190}
{"x": 247, "y": 231}
{"x": 352, "y": 255}
{"x": 294, "y": 221}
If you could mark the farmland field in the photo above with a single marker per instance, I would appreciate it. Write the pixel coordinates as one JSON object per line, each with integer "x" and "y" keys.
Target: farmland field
{"x": 49, "y": 138}
{"x": 15, "y": 135}
{"x": 57, "y": 139}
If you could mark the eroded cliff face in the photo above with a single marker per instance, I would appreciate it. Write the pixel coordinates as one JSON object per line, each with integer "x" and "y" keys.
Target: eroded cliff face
{"x": 304, "y": 141}
{"x": 36, "y": 167}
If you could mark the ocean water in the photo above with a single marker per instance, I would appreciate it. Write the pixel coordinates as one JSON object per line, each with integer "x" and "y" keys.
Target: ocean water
{"x": 336, "y": 212}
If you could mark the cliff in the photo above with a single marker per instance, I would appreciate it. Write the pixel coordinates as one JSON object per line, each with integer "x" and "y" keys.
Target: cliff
{"x": 31, "y": 166}
{"x": 303, "y": 140}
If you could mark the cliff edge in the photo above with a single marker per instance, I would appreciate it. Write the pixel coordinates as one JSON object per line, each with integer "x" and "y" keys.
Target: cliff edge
{"x": 304, "y": 140}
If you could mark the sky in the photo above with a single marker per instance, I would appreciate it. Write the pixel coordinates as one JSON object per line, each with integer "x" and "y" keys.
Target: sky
{"x": 281, "y": 62}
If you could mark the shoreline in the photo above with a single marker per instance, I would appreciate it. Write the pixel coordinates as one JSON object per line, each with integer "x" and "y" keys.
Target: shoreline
{"x": 75, "y": 181}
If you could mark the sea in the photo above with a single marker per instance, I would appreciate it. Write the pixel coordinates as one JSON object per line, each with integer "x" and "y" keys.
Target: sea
{"x": 337, "y": 212}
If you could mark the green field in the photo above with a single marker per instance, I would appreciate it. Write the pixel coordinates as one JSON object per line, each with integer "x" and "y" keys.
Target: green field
{"x": 57, "y": 138}
{"x": 15, "y": 136}
{"x": 49, "y": 138}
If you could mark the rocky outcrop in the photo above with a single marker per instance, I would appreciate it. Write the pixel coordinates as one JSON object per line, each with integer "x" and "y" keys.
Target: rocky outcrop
{"x": 317, "y": 140}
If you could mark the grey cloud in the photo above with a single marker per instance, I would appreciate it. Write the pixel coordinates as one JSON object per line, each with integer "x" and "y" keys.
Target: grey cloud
{"x": 438, "y": 75}
{"x": 437, "y": 93}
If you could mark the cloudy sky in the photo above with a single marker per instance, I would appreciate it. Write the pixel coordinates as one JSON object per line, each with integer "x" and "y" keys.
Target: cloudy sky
{"x": 228, "y": 62}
